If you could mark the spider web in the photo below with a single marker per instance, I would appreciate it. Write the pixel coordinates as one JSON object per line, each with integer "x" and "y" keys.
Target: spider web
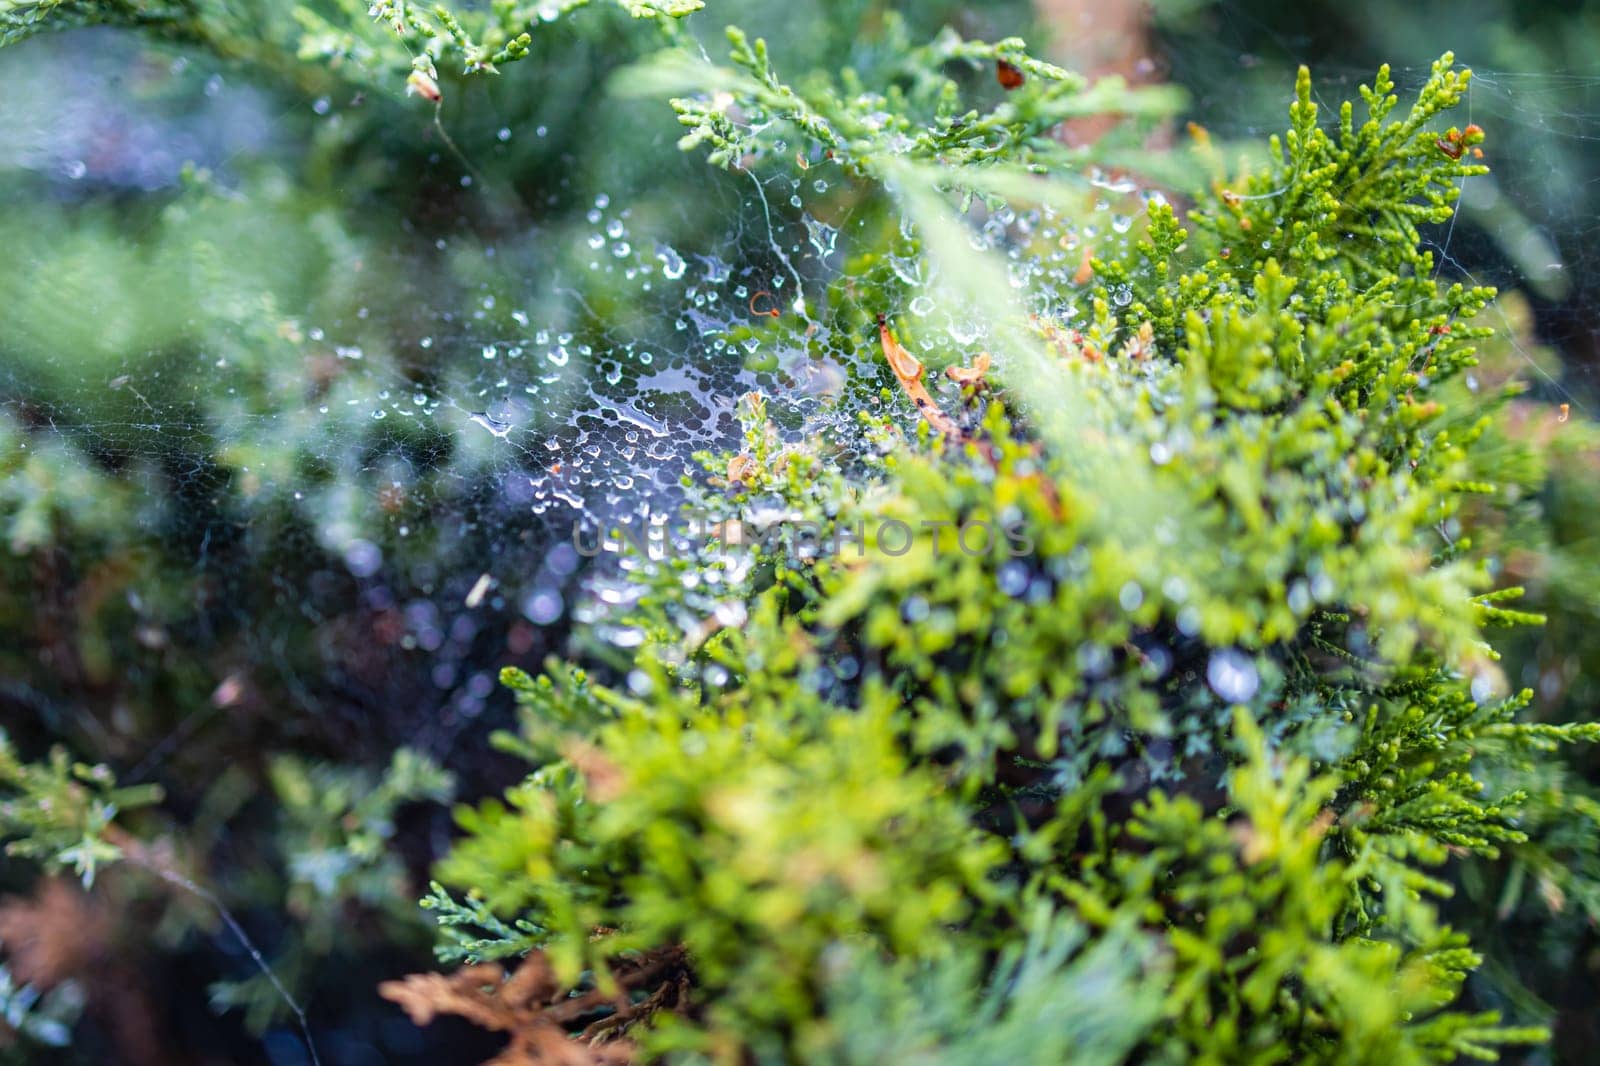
{"x": 415, "y": 467}
{"x": 271, "y": 510}
{"x": 605, "y": 344}
{"x": 482, "y": 432}
{"x": 349, "y": 497}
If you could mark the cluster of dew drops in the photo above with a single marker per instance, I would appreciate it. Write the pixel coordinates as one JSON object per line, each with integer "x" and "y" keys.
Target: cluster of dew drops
{"x": 581, "y": 419}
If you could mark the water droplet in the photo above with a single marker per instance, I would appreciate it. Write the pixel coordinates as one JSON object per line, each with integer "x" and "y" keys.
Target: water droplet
{"x": 823, "y": 236}
{"x": 542, "y": 606}
{"x": 493, "y": 425}
{"x": 672, "y": 265}
{"x": 363, "y": 558}
{"x": 1232, "y": 675}
{"x": 1013, "y": 578}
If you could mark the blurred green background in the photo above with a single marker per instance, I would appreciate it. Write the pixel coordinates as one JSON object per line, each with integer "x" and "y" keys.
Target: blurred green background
{"x": 301, "y": 389}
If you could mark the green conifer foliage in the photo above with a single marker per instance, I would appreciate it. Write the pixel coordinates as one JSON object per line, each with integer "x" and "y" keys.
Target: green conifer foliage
{"x": 1132, "y": 699}
{"x": 1220, "y": 698}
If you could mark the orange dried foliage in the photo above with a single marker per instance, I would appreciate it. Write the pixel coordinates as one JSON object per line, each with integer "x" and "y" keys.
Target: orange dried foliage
{"x": 547, "y": 1023}
{"x": 1085, "y": 271}
{"x": 970, "y": 375}
{"x": 55, "y": 935}
{"x": 1009, "y": 77}
{"x": 740, "y": 467}
{"x": 908, "y": 371}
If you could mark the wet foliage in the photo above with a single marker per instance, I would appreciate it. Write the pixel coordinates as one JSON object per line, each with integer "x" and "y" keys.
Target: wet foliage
{"x": 997, "y": 596}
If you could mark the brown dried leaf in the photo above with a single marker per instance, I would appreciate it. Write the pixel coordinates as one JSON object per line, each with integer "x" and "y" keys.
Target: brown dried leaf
{"x": 468, "y": 993}
{"x": 540, "y": 1015}
{"x": 908, "y": 371}
{"x": 53, "y": 936}
{"x": 1142, "y": 344}
{"x": 969, "y": 375}
{"x": 740, "y": 467}
{"x": 1085, "y": 267}
{"x": 604, "y": 778}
